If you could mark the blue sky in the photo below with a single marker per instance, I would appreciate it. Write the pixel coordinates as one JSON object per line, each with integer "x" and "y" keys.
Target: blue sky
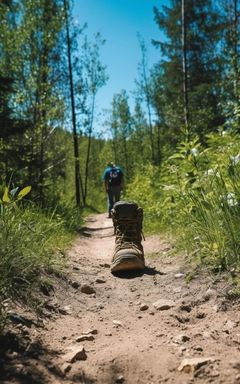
{"x": 119, "y": 21}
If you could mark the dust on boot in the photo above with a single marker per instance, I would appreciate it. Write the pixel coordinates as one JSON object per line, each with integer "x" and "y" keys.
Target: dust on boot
{"x": 128, "y": 254}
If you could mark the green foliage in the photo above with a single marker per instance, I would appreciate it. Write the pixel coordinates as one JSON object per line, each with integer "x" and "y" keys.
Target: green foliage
{"x": 196, "y": 195}
{"x": 31, "y": 245}
{"x": 145, "y": 190}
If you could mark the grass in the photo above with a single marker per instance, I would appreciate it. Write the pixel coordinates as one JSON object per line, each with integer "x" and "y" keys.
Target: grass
{"x": 32, "y": 248}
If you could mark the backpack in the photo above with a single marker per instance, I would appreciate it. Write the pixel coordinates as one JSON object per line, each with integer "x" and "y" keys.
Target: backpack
{"x": 115, "y": 176}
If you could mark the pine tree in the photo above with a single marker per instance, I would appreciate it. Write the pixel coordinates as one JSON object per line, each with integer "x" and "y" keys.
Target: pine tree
{"x": 202, "y": 36}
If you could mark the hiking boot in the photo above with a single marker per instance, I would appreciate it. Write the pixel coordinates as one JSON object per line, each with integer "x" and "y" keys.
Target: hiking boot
{"x": 127, "y": 220}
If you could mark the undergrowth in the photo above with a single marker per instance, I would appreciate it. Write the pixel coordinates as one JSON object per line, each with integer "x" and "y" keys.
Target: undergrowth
{"x": 196, "y": 197}
{"x": 32, "y": 245}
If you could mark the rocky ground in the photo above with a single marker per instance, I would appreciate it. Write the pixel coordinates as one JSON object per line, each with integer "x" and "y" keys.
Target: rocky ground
{"x": 147, "y": 328}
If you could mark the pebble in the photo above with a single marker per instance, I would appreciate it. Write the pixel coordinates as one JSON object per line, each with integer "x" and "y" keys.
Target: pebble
{"x": 99, "y": 280}
{"x": 143, "y": 307}
{"x": 117, "y": 323}
{"x": 88, "y": 289}
{"x": 198, "y": 348}
{"x": 163, "y": 305}
{"x": 179, "y": 275}
{"x": 91, "y": 331}
{"x": 66, "y": 367}
{"x": 104, "y": 265}
{"x": 120, "y": 379}
{"x": 229, "y": 325}
{"x": 181, "y": 339}
{"x": 84, "y": 338}
{"x": 75, "y": 284}
{"x": 65, "y": 310}
{"x": 191, "y": 364}
{"x": 76, "y": 353}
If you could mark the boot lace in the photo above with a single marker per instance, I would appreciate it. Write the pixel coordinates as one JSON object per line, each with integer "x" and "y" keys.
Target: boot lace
{"x": 128, "y": 233}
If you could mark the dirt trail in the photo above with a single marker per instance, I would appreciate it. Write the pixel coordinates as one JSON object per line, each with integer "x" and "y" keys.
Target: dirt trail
{"x": 144, "y": 329}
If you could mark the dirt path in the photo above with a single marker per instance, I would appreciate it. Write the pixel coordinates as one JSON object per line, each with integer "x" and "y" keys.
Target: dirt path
{"x": 146, "y": 329}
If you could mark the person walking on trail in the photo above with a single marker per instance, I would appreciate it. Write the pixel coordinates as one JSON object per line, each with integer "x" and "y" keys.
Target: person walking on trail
{"x": 113, "y": 183}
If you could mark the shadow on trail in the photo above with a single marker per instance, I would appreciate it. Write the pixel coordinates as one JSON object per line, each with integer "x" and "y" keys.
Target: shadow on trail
{"x": 138, "y": 273}
{"x": 26, "y": 363}
{"x": 93, "y": 209}
{"x": 89, "y": 232}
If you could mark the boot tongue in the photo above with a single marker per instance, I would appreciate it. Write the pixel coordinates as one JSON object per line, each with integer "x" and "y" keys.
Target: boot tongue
{"x": 125, "y": 209}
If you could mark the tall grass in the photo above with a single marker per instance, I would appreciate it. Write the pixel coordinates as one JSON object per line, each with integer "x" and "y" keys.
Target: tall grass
{"x": 32, "y": 245}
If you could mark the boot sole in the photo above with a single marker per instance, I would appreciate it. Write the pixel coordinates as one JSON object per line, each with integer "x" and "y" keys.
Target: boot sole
{"x": 127, "y": 263}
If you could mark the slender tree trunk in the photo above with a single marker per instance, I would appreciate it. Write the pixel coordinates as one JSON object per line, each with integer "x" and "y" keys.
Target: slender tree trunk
{"x": 235, "y": 49}
{"x": 78, "y": 181}
{"x": 88, "y": 150}
{"x": 147, "y": 95}
{"x": 158, "y": 145}
{"x": 185, "y": 73}
{"x": 41, "y": 170}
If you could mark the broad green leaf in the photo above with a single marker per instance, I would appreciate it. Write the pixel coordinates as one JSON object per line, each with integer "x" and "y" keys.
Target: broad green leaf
{"x": 24, "y": 192}
{"x": 6, "y": 198}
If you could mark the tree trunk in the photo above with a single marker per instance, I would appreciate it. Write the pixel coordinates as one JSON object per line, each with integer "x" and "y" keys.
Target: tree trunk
{"x": 88, "y": 150}
{"x": 147, "y": 95}
{"x": 235, "y": 49}
{"x": 185, "y": 74}
{"x": 78, "y": 181}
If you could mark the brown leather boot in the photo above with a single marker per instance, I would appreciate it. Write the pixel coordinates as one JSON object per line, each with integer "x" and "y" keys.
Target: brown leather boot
{"x": 127, "y": 220}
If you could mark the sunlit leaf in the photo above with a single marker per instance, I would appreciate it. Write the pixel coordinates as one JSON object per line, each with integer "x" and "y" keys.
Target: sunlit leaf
{"x": 24, "y": 192}
{"x": 6, "y": 198}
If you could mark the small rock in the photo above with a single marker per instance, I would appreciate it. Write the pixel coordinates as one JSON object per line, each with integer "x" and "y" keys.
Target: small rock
{"x": 66, "y": 367}
{"x": 19, "y": 319}
{"x": 181, "y": 339}
{"x": 75, "y": 284}
{"x": 65, "y": 310}
{"x": 88, "y": 289}
{"x": 108, "y": 334}
{"x": 91, "y": 331}
{"x": 133, "y": 289}
{"x": 117, "y": 323}
{"x": 12, "y": 355}
{"x": 143, "y": 307}
{"x": 200, "y": 315}
{"x": 75, "y": 354}
{"x": 104, "y": 265}
{"x": 185, "y": 307}
{"x": 179, "y": 275}
{"x": 120, "y": 379}
{"x": 229, "y": 325}
{"x": 19, "y": 368}
{"x": 163, "y": 305}
{"x": 198, "y": 348}
{"x": 84, "y": 338}
{"x": 192, "y": 364}
{"x": 99, "y": 280}
{"x": 210, "y": 293}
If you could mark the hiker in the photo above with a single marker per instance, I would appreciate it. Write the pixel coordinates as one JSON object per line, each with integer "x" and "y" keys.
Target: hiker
{"x": 113, "y": 183}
